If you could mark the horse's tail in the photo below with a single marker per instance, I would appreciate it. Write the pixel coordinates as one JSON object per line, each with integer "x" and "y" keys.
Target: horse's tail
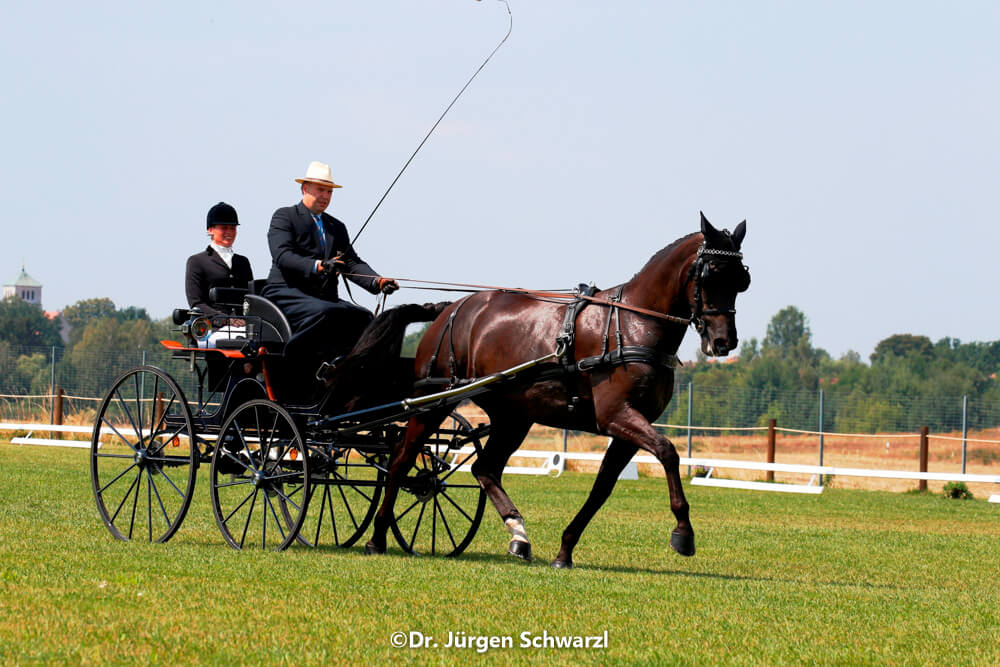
{"x": 372, "y": 369}
{"x": 384, "y": 335}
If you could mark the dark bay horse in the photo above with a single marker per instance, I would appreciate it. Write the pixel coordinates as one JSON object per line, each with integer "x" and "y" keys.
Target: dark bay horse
{"x": 615, "y": 375}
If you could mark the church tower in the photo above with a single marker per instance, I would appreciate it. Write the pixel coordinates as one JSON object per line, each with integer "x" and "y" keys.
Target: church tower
{"x": 25, "y": 288}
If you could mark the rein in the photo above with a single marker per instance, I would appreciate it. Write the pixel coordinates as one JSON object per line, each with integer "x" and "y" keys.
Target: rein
{"x": 542, "y": 294}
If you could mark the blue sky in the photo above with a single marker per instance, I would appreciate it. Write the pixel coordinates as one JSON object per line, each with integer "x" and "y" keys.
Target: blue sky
{"x": 859, "y": 140}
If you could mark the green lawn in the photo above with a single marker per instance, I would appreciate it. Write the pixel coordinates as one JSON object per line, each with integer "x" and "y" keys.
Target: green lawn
{"x": 845, "y": 577}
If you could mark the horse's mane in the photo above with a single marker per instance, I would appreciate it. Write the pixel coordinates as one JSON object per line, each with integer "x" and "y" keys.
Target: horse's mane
{"x": 663, "y": 252}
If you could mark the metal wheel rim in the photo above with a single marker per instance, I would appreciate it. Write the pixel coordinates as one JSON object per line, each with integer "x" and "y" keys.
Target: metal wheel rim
{"x": 441, "y": 510}
{"x": 267, "y": 462}
{"x": 158, "y": 437}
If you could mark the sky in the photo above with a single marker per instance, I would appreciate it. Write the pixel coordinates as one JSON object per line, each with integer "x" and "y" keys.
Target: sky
{"x": 859, "y": 140}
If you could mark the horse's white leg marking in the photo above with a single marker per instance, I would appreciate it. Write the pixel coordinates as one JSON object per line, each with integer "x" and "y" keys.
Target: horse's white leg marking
{"x": 516, "y": 528}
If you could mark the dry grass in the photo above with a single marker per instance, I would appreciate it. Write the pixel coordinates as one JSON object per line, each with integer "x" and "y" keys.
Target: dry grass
{"x": 897, "y": 451}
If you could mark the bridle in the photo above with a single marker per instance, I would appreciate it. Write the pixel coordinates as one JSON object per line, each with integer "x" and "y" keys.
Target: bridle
{"x": 700, "y": 271}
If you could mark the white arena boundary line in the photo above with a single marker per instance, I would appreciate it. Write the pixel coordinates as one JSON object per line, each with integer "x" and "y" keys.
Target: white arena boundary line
{"x": 552, "y": 457}
{"x": 54, "y": 428}
{"x": 554, "y": 463}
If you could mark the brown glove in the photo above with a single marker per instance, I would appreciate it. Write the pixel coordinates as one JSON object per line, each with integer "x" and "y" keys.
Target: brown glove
{"x": 387, "y": 285}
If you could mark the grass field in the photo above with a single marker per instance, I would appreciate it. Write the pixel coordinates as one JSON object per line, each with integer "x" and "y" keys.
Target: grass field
{"x": 846, "y": 577}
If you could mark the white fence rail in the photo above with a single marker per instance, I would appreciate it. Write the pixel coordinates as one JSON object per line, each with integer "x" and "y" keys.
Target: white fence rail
{"x": 554, "y": 463}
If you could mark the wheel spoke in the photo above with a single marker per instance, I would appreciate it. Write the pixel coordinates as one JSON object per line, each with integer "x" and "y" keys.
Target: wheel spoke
{"x": 457, "y": 506}
{"x": 135, "y": 447}
{"x": 149, "y": 505}
{"x": 444, "y": 521}
{"x": 274, "y": 514}
{"x": 152, "y": 415}
{"x": 416, "y": 528}
{"x": 237, "y": 508}
{"x": 288, "y": 500}
{"x": 246, "y": 448}
{"x": 163, "y": 509}
{"x": 238, "y": 482}
{"x": 333, "y": 516}
{"x": 118, "y": 477}
{"x": 171, "y": 482}
{"x": 347, "y": 506}
{"x": 354, "y": 488}
{"x": 135, "y": 503}
{"x": 246, "y": 525}
{"x": 138, "y": 399}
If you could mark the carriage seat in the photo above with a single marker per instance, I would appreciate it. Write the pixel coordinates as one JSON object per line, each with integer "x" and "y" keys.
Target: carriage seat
{"x": 274, "y": 327}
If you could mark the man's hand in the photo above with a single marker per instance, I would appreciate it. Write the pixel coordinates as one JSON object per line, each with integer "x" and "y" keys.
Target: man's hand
{"x": 333, "y": 265}
{"x": 387, "y": 285}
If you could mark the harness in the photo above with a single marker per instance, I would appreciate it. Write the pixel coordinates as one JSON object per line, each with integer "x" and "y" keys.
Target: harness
{"x": 622, "y": 354}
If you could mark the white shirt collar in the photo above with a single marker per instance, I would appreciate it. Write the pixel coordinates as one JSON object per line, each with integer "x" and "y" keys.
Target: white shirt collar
{"x": 225, "y": 253}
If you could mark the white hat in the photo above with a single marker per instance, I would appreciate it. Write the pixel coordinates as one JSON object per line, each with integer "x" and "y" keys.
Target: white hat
{"x": 317, "y": 172}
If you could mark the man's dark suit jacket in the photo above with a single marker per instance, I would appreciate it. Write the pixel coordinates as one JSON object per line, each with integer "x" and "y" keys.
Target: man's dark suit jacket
{"x": 295, "y": 247}
{"x": 206, "y": 270}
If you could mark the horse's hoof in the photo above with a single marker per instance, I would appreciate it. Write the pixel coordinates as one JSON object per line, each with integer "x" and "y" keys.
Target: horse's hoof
{"x": 682, "y": 544}
{"x": 372, "y": 550}
{"x": 562, "y": 564}
{"x": 520, "y": 549}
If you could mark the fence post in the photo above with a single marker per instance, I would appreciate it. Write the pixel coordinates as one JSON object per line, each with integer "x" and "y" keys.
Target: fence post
{"x": 690, "y": 411}
{"x": 965, "y": 428}
{"x": 821, "y": 434}
{"x": 57, "y": 413}
{"x": 52, "y": 388}
{"x": 158, "y": 413}
{"x": 923, "y": 456}
{"x": 771, "y": 423}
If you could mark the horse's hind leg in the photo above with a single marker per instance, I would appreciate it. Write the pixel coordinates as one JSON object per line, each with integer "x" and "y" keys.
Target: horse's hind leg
{"x": 403, "y": 458}
{"x": 506, "y": 435}
{"x": 617, "y": 457}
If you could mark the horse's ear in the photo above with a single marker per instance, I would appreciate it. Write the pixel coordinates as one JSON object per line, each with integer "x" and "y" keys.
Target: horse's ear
{"x": 710, "y": 233}
{"x": 739, "y": 233}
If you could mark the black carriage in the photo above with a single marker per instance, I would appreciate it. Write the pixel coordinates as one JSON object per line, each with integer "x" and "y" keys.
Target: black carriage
{"x": 284, "y": 466}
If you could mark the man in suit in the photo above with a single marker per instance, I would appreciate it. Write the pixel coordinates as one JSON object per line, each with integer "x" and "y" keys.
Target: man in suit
{"x": 309, "y": 248}
{"x": 218, "y": 265}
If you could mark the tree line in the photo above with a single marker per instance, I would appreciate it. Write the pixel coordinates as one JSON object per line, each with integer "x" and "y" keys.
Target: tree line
{"x": 103, "y": 341}
{"x": 907, "y": 382}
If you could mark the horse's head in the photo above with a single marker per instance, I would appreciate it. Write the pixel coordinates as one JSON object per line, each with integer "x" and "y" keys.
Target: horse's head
{"x": 717, "y": 276}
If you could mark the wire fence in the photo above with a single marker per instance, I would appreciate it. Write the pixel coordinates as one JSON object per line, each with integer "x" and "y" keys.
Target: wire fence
{"x": 30, "y": 376}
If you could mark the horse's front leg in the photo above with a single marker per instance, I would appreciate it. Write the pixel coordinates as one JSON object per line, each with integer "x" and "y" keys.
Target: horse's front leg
{"x": 617, "y": 457}
{"x": 630, "y": 425}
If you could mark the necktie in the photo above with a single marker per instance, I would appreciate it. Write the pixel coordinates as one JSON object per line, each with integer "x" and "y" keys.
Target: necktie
{"x": 322, "y": 234}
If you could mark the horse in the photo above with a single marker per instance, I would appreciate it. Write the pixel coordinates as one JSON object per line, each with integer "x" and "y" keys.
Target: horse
{"x": 614, "y": 375}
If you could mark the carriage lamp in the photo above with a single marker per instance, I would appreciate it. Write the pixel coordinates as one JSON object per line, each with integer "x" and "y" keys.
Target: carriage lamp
{"x": 201, "y": 327}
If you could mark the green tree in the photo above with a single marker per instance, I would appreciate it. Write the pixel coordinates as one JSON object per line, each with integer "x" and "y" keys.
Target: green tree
{"x": 787, "y": 330}
{"x": 84, "y": 311}
{"x": 23, "y": 323}
{"x": 412, "y": 340}
{"x": 903, "y": 345}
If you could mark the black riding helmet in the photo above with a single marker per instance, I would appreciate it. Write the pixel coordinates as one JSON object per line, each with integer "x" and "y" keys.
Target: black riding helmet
{"x": 221, "y": 214}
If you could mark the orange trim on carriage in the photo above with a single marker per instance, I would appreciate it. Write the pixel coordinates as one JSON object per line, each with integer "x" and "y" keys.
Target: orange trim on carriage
{"x": 177, "y": 347}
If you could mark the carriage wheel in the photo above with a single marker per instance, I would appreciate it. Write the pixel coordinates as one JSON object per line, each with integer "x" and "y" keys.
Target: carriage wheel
{"x": 440, "y": 505}
{"x": 260, "y": 476}
{"x": 143, "y": 458}
{"x": 348, "y": 486}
